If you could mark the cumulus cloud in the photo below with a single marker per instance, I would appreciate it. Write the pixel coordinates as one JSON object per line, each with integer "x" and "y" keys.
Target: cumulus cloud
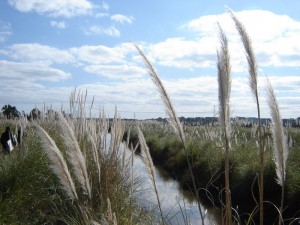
{"x": 58, "y": 24}
{"x": 274, "y": 38}
{"x": 123, "y": 72}
{"x": 183, "y": 53}
{"x": 35, "y": 52}
{"x": 5, "y": 30}
{"x": 98, "y": 30}
{"x": 122, "y": 18}
{"x": 100, "y": 54}
{"x": 14, "y": 71}
{"x": 22, "y": 84}
{"x": 54, "y": 8}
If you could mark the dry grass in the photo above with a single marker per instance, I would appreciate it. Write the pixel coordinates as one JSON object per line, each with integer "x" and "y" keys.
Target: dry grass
{"x": 224, "y": 81}
{"x": 58, "y": 164}
{"x": 280, "y": 142}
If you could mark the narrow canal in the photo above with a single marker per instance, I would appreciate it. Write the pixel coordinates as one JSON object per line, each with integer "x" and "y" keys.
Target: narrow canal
{"x": 178, "y": 206}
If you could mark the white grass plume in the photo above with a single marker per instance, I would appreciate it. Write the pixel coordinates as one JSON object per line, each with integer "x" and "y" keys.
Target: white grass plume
{"x": 58, "y": 164}
{"x": 252, "y": 69}
{"x": 75, "y": 155}
{"x": 173, "y": 119}
{"x": 150, "y": 167}
{"x": 224, "y": 81}
{"x": 252, "y": 65}
{"x": 279, "y": 139}
{"x": 117, "y": 131}
{"x": 165, "y": 98}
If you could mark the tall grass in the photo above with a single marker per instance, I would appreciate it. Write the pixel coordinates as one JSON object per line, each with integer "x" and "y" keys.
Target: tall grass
{"x": 252, "y": 69}
{"x": 106, "y": 191}
{"x": 224, "y": 81}
{"x": 150, "y": 167}
{"x": 58, "y": 164}
{"x": 173, "y": 119}
{"x": 280, "y": 143}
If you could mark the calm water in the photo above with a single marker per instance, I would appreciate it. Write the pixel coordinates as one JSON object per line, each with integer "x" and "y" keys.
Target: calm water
{"x": 171, "y": 196}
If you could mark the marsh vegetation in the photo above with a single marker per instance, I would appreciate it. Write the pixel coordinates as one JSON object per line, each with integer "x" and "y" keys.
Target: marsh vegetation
{"x": 75, "y": 169}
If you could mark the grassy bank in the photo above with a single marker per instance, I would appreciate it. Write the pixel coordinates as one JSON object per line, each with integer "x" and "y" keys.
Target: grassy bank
{"x": 31, "y": 187}
{"x": 205, "y": 153}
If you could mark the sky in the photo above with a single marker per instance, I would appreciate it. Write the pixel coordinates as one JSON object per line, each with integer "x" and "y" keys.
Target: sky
{"x": 49, "y": 48}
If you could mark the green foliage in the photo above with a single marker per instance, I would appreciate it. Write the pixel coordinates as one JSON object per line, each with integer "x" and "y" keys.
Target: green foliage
{"x": 10, "y": 112}
{"x": 205, "y": 151}
{"x": 31, "y": 194}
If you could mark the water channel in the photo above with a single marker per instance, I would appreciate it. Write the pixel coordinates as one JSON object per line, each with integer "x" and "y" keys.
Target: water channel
{"x": 174, "y": 200}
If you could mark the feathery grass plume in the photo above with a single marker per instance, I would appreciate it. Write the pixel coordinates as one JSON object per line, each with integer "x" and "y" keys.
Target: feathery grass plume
{"x": 92, "y": 140}
{"x": 165, "y": 97}
{"x": 110, "y": 217}
{"x": 279, "y": 141}
{"x": 173, "y": 119}
{"x": 103, "y": 130}
{"x": 72, "y": 102}
{"x": 117, "y": 131}
{"x": 58, "y": 164}
{"x": 149, "y": 164}
{"x": 252, "y": 69}
{"x": 75, "y": 155}
{"x": 224, "y": 81}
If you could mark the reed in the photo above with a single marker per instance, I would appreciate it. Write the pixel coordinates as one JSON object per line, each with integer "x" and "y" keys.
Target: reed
{"x": 76, "y": 158}
{"x": 252, "y": 69}
{"x": 173, "y": 119}
{"x": 58, "y": 164}
{"x": 279, "y": 141}
{"x": 150, "y": 167}
{"x": 224, "y": 82}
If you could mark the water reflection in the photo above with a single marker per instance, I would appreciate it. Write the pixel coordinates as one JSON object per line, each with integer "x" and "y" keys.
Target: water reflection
{"x": 179, "y": 206}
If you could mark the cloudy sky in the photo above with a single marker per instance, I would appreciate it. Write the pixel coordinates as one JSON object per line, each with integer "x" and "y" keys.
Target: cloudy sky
{"x": 47, "y": 48}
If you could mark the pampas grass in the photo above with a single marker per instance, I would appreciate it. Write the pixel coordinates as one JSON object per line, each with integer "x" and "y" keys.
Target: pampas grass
{"x": 279, "y": 141}
{"x": 224, "y": 81}
{"x": 58, "y": 164}
{"x": 252, "y": 69}
{"x": 75, "y": 155}
{"x": 173, "y": 119}
{"x": 150, "y": 167}
{"x": 170, "y": 111}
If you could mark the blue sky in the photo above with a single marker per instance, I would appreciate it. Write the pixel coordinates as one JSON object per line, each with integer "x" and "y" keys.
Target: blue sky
{"x": 47, "y": 48}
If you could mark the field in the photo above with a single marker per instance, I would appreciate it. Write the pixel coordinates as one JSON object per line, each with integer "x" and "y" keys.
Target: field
{"x": 70, "y": 168}
{"x": 68, "y": 172}
{"x": 205, "y": 152}
{"x": 29, "y": 181}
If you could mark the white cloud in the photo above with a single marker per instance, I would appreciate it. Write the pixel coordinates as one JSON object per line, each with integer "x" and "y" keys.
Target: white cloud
{"x": 105, "y": 5}
{"x": 112, "y": 31}
{"x": 122, "y": 18}
{"x": 274, "y": 38}
{"x": 98, "y": 30}
{"x": 182, "y": 53}
{"x": 122, "y": 72}
{"x": 100, "y": 54}
{"x": 54, "y": 8}
{"x": 58, "y": 24}
{"x": 5, "y": 31}
{"x": 22, "y": 84}
{"x": 38, "y": 53}
{"x": 31, "y": 72}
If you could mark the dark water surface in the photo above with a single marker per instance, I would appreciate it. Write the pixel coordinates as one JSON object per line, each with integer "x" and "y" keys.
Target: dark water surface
{"x": 175, "y": 202}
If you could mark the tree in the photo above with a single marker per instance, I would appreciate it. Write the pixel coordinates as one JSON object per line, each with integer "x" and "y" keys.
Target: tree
{"x": 10, "y": 111}
{"x": 34, "y": 114}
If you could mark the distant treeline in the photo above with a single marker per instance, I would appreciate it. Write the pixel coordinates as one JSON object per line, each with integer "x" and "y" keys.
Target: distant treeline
{"x": 242, "y": 121}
